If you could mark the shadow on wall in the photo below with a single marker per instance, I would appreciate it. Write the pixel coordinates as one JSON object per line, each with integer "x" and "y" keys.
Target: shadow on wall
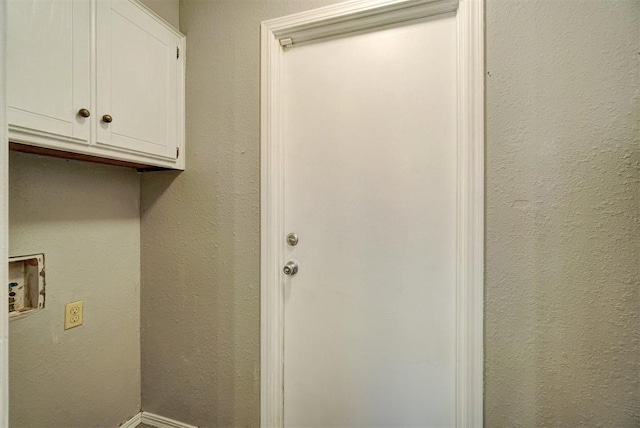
{"x": 57, "y": 190}
{"x": 156, "y": 183}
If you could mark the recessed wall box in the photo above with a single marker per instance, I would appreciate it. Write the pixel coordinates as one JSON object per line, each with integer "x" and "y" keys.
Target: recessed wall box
{"x": 26, "y": 285}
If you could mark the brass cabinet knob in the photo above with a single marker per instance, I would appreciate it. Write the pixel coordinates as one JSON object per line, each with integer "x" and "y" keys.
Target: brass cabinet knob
{"x": 107, "y": 118}
{"x": 84, "y": 112}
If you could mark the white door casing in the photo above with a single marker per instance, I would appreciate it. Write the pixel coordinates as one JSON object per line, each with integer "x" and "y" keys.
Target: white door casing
{"x": 340, "y": 19}
{"x": 4, "y": 228}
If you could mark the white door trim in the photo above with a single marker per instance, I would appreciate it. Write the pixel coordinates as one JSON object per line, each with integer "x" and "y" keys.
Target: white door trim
{"x": 4, "y": 229}
{"x": 338, "y": 19}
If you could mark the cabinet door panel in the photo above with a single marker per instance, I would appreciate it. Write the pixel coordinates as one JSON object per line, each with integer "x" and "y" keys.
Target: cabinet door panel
{"x": 137, "y": 81}
{"x": 48, "y": 67}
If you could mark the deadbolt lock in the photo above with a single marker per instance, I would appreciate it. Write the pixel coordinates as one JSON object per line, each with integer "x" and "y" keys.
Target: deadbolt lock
{"x": 292, "y": 239}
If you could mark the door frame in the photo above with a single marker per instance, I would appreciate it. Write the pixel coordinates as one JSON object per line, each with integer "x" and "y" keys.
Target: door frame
{"x": 279, "y": 34}
{"x": 4, "y": 227}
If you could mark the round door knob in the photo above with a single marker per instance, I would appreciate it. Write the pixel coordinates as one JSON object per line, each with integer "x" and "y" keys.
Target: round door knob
{"x": 107, "y": 118}
{"x": 291, "y": 268}
{"x": 84, "y": 112}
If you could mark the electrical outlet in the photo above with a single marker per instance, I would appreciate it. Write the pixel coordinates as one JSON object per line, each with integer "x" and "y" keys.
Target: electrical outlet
{"x": 73, "y": 315}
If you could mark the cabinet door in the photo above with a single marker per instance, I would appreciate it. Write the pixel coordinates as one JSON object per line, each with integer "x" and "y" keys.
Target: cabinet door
{"x": 48, "y": 70}
{"x": 137, "y": 81}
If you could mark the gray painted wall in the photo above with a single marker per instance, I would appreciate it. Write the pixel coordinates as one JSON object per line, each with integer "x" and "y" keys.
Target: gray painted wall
{"x": 169, "y": 10}
{"x": 85, "y": 219}
{"x": 562, "y": 210}
{"x": 562, "y": 309}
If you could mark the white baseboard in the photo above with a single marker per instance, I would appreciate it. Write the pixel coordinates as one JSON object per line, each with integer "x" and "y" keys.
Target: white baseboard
{"x": 133, "y": 422}
{"x": 162, "y": 422}
{"x": 154, "y": 421}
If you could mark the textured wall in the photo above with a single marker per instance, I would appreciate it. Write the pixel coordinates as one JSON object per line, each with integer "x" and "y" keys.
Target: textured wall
{"x": 562, "y": 219}
{"x": 167, "y": 9}
{"x": 85, "y": 219}
{"x": 200, "y": 228}
{"x": 563, "y": 184}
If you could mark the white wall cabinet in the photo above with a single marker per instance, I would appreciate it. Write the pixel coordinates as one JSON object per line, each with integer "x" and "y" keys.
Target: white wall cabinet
{"x": 136, "y": 77}
{"x": 126, "y": 73}
{"x": 48, "y": 72}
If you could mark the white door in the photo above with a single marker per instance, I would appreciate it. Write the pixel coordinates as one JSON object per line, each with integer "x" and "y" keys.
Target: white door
{"x": 370, "y": 190}
{"x": 137, "y": 80}
{"x": 48, "y": 67}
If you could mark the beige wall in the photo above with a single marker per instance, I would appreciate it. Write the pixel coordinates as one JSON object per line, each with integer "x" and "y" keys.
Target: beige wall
{"x": 85, "y": 219}
{"x": 563, "y": 187}
{"x": 169, "y": 10}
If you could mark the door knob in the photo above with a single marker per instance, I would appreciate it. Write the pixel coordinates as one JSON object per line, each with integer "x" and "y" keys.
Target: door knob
{"x": 84, "y": 112}
{"x": 107, "y": 118}
{"x": 291, "y": 268}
